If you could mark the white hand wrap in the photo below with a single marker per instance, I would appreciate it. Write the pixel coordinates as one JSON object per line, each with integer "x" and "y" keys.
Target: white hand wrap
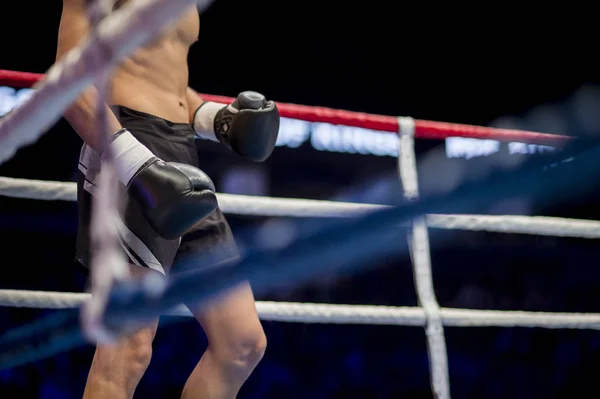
{"x": 204, "y": 120}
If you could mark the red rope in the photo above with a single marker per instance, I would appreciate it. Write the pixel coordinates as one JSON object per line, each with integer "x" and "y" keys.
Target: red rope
{"x": 423, "y": 129}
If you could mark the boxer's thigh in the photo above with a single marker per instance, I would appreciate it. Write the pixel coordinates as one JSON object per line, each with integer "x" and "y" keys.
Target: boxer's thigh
{"x": 229, "y": 319}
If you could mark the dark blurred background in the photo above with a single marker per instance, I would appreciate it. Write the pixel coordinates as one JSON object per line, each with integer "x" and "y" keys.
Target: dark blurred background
{"x": 494, "y": 64}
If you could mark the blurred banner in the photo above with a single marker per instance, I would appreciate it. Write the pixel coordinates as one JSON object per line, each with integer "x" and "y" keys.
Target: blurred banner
{"x": 343, "y": 139}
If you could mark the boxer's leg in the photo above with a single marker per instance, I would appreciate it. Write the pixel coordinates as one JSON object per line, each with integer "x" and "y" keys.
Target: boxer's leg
{"x": 236, "y": 340}
{"x": 236, "y": 343}
{"x": 118, "y": 368}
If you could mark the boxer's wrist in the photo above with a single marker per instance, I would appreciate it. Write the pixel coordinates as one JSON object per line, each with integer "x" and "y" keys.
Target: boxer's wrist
{"x": 249, "y": 126}
{"x": 129, "y": 155}
{"x": 204, "y": 120}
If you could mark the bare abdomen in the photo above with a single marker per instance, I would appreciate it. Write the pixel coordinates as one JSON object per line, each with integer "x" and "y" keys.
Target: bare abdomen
{"x": 154, "y": 81}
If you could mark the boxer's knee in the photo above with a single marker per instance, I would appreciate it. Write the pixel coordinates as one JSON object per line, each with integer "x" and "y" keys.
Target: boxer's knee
{"x": 123, "y": 364}
{"x": 138, "y": 352}
{"x": 239, "y": 354}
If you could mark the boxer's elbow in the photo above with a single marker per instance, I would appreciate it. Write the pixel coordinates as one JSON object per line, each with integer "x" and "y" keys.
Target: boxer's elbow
{"x": 81, "y": 115}
{"x": 82, "y": 110}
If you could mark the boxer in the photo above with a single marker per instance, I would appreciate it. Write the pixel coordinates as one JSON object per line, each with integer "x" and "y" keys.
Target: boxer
{"x": 170, "y": 207}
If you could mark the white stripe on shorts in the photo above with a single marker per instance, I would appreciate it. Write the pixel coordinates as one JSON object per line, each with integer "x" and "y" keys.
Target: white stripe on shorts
{"x": 130, "y": 239}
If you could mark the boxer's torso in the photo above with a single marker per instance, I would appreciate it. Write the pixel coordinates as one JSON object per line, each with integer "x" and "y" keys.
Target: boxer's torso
{"x": 154, "y": 79}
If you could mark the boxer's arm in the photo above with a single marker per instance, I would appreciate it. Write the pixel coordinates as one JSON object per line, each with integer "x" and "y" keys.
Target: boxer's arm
{"x": 74, "y": 27}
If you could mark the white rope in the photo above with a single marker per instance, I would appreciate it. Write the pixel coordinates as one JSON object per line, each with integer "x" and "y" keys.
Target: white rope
{"x": 341, "y": 314}
{"x": 38, "y": 189}
{"x": 280, "y": 207}
{"x": 421, "y": 259}
{"x": 292, "y": 207}
{"x": 538, "y": 225}
{"x": 116, "y": 37}
{"x": 107, "y": 261}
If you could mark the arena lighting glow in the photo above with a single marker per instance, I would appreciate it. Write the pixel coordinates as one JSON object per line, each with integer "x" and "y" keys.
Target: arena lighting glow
{"x": 353, "y": 140}
{"x": 467, "y": 148}
{"x": 337, "y": 138}
{"x": 10, "y": 98}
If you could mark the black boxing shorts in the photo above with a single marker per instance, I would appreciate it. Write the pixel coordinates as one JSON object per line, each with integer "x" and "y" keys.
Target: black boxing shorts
{"x": 211, "y": 239}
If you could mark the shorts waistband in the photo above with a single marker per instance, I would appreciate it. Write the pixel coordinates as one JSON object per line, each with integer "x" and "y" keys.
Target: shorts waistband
{"x": 125, "y": 115}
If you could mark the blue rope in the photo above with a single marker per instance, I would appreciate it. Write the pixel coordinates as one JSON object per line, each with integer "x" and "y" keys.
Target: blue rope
{"x": 350, "y": 244}
{"x": 343, "y": 247}
{"x": 44, "y": 338}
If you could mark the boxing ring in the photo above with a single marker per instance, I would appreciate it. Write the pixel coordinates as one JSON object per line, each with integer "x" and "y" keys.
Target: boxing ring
{"x": 76, "y": 72}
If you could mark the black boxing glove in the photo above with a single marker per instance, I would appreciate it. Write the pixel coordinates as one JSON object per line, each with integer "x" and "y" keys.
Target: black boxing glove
{"x": 173, "y": 196}
{"x": 249, "y": 126}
